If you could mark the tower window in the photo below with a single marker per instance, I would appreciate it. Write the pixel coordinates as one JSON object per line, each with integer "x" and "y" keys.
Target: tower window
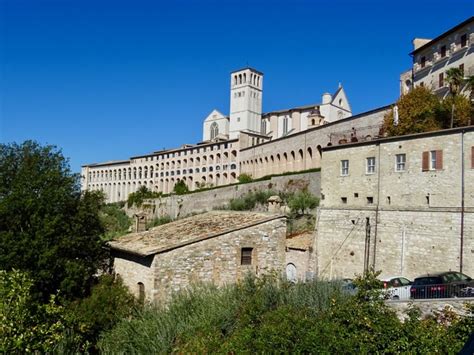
{"x": 443, "y": 51}
{"x": 423, "y": 61}
{"x": 464, "y": 40}
{"x": 285, "y": 125}
{"x": 263, "y": 127}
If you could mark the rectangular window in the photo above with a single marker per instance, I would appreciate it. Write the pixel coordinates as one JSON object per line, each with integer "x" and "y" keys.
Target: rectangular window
{"x": 464, "y": 40}
{"x": 423, "y": 61}
{"x": 344, "y": 167}
{"x": 370, "y": 200}
{"x": 432, "y": 160}
{"x": 400, "y": 162}
{"x": 246, "y": 256}
{"x": 443, "y": 51}
{"x": 441, "y": 80}
{"x": 370, "y": 165}
{"x": 344, "y": 200}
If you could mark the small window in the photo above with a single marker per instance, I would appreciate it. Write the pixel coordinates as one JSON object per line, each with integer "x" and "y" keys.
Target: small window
{"x": 370, "y": 200}
{"x": 344, "y": 200}
{"x": 141, "y": 292}
{"x": 432, "y": 160}
{"x": 441, "y": 80}
{"x": 389, "y": 200}
{"x": 356, "y": 194}
{"x": 344, "y": 167}
{"x": 423, "y": 61}
{"x": 443, "y": 51}
{"x": 464, "y": 40}
{"x": 246, "y": 256}
{"x": 400, "y": 162}
{"x": 370, "y": 165}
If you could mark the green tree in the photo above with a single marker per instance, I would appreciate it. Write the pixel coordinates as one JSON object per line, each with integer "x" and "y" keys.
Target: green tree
{"x": 46, "y": 226}
{"x": 25, "y": 325}
{"x": 302, "y": 201}
{"x": 115, "y": 221}
{"x": 136, "y": 198}
{"x": 455, "y": 79}
{"x": 180, "y": 188}
{"x": 244, "y": 178}
{"x": 418, "y": 112}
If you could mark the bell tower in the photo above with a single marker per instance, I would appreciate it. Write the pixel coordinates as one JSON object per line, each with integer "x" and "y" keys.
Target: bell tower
{"x": 246, "y": 88}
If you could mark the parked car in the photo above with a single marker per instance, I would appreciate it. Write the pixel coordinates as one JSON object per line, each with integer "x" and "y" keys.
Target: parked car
{"x": 442, "y": 285}
{"x": 396, "y": 287}
{"x": 349, "y": 287}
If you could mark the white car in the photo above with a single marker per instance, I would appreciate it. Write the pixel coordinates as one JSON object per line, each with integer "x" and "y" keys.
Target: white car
{"x": 397, "y": 287}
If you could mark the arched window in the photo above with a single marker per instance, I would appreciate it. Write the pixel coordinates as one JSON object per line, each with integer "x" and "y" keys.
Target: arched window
{"x": 285, "y": 125}
{"x": 263, "y": 127}
{"x": 141, "y": 292}
{"x": 214, "y": 130}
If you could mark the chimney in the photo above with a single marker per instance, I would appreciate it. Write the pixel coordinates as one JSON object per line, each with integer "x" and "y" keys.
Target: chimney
{"x": 140, "y": 222}
{"x": 274, "y": 204}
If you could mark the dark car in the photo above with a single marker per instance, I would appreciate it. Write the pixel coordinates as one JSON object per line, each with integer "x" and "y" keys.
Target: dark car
{"x": 442, "y": 285}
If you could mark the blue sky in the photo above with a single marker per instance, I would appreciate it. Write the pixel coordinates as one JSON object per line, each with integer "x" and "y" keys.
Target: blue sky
{"x": 108, "y": 80}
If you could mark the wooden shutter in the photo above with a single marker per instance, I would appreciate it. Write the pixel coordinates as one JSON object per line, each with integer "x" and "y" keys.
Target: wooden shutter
{"x": 472, "y": 157}
{"x": 439, "y": 160}
{"x": 425, "y": 166}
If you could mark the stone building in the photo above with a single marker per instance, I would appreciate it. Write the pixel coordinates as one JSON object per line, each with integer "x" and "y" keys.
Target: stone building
{"x": 229, "y": 142}
{"x": 218, "y": 247}
{"x": 433, "y": 57}
{"x": 404, "y": 205}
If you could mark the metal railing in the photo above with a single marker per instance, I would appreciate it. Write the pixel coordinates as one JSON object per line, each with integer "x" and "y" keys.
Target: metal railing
{"x": 412, "y": 292}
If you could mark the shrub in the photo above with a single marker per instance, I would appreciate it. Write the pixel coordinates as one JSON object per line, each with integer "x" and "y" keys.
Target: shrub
{"x": 115, "y": 221}
{"x": 250, "y": 200}
{"x": 136, "y": 198}
{"x": 109, "y": 302}
{"x": 180, "y": 188}
{"x": 244, "y": 178}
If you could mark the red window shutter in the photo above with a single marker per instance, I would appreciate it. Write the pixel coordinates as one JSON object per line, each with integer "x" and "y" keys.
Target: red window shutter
{"x": 439, "y": 159}
{"x": 472, "y": 157}
{"x": 425, "y": 166}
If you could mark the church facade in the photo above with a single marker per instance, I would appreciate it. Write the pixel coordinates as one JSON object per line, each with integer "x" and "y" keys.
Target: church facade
{"x": 246, "y": 141}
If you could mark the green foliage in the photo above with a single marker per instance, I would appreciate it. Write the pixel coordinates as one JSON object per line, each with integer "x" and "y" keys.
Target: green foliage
{"x": 250, "y": 200}
{"x": 244, "y": 178}
{"x": 136, "y": 198}
{"x": 46, "y": 226}
{"x": 25, "y": 325}
{"x": 158, "y": 221}
{"x": 115, "y": 221}
{"x": 108, "y": 303}
{"x": 422, "y": 111}
{"x": 180, "y": 188}
{"x": 203, "y": 318}
{"x": 269, "y": 315}
{"x": 302, "y": 201}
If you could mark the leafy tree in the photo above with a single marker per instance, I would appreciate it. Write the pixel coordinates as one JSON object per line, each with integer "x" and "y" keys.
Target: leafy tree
{"x": 244, "y": 178}
{"x": 455, "y": 111}
{"x": 302, "y": 201}
{"x": 136, "y": 198}
{"x": 46, "y": 226}
{"x": 25, "y": 325}
{"x": 180, "y": 188}
{"x": 418, "y": 112}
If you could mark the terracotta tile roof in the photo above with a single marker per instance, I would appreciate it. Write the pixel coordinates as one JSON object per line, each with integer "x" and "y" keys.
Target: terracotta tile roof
{"x": 301, "y": 241}
{"x": 188, "y": 230}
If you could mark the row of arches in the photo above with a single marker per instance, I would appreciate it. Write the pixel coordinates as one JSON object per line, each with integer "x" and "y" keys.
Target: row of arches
{"x": 254, "y": 79}
{"x": 283, "y": 162}
{"x": 166, "y": 185}
{"x": 145, "y": 172}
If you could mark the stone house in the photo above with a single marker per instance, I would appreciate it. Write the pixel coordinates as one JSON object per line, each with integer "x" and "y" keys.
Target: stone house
{"x": 404, "y": 205}
{"x": 218, "y": 247}
{"x": 298, "y": 256}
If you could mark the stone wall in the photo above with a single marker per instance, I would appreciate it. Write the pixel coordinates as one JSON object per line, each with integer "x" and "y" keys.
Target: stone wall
{"x": 218, "y": 260}
{"x": 408, "y": 243}
{"x": 430, "y": 307}
{"x": 183, "y": 205}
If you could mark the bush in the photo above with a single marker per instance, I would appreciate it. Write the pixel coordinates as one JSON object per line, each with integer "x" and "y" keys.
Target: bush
{"x": 136, "y": 198}
{"x": 109, "y": 302}
{"x": 180, "y": 188}
{"x": 26, "y": 325}
{"x": 303, "y": 201}
{"x": 115, "y": 221}
{"x": 250, "y": 200}
{"x": 244, "y": 178}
